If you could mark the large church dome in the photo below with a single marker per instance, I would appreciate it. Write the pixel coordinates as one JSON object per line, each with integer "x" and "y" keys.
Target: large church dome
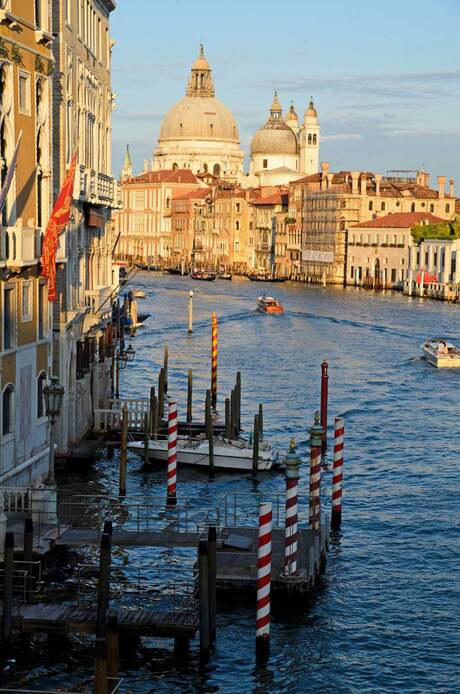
{"x": 199, "y": 131}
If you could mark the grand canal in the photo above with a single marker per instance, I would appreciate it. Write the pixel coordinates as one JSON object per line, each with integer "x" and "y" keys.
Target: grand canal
{"x": 387, "y": 617}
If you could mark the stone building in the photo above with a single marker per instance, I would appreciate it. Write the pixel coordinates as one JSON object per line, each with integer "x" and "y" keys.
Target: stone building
{"x": 192, "y": 238}
{"x": 86, "y": 280}
{"x": 25, "y": 351}
{"x": 199, "y": 132}
{"x": 378, "y": 250}
{"x": 265, "y": 223}
{"x": 434, "y": 261}
{"x": 332, "y": 202}
{"x": 143, "y": 225}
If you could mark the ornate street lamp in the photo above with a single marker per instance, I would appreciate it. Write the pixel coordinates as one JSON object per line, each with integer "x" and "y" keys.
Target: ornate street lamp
{"x": 52, "y": 394}
{"x": 122, "y": 360}
{"x": 130, "y": 352}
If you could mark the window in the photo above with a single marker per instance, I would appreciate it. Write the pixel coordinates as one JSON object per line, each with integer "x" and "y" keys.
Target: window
{"x": 205, "y": 168}
{"x": 314, "y": 139}
{"x": 447, "y": 208}
{"x": 24, "y": 93}
{"x": 237, "y": 226}
{"x": 412, "y": 207}
{"x": 42, "y": 308}
{"x": 8, "y": 410}
{"x": 371, "y": 205}
{"x": 237, "y": 246}
{"x": 309, "y": 139}
{"x": 382, "y": 206}
{"x": 38, "y": 13}
{"x": 26, "y": 302}
{"x": 265, "y": 163}
{"x": 393, "y": 275}
{"x": 8, "y": 319}
{"x": 352, "y": 272}
{"x": 216, "y": 170}
{"x": 238, "y": 207}
{"x": 432, "y": 208}
{"x": 41, "y": 381}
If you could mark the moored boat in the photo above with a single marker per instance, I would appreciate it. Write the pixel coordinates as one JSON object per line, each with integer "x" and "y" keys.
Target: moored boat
{"x": 266, "y": 278}
{"x": 203, "y": 275}
{"x": 228, "y": 455}
{"x": 139, "y": 294}
{"x": 267, "y": 304}
{"x": 442, "y": 354}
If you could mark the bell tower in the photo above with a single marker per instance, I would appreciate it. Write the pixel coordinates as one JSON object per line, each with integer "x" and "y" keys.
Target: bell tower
{"x": 309, "y": 141}
{"x": 127, "y": 170}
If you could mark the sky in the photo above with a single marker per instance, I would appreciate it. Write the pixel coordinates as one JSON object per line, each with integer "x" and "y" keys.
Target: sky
{"x": 384, "y": 76}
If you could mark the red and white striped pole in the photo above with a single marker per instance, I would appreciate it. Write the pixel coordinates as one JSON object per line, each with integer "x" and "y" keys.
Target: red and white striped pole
{"x": 337, "y": 474}
{"x": 214, "y": 362}
{"x": 291, "y": 522}
{"x": 264, "y": 569}
{"x": 316, "y": 436}
{"x": 172, "y": 454}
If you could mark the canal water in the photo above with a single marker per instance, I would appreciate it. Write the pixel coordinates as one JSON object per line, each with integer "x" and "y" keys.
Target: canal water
{"x": 387, "y": 616}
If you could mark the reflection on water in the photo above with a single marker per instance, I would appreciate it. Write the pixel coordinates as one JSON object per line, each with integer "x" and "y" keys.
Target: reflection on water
{"x": 387, "y": 617}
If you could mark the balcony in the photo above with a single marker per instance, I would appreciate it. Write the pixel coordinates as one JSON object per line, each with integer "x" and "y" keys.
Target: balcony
{"x": 98, "y": 306}
{"x": 99, "y": 189}
{"x": 20, "y": 246}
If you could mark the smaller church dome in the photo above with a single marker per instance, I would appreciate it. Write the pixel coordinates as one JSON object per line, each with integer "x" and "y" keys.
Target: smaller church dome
{"x": 311, "y": 111}
{"x": 275, "y": 137}
{"x": 292, "y": 115}
{"x": 276, "y": 106}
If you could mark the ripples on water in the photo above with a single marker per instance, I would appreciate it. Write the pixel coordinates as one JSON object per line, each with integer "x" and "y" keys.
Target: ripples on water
{"x": 387, "y": 617}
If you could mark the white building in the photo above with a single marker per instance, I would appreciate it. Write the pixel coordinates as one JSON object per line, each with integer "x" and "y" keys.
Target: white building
{"x": 434, "y": 269}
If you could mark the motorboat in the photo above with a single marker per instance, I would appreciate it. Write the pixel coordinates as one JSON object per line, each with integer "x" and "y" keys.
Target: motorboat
{"x": 139, "y": 294}
{"x": 267, "y": 304}
{"x": 266, "y": 278}
{"x": 203, "y": 275}
{"x": 225, "y": 276}
{"x": 228, "y": 455}
{"x": 442, "y": 354}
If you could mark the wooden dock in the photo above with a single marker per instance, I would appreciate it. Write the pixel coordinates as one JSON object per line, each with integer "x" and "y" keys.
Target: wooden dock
{"x": 71, "y": 619}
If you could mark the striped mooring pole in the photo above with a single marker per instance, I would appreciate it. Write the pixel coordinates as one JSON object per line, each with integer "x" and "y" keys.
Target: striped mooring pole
{"x": 264, "y": 568}
{"x": 316, "y": 436}
{"x": 337, "y": 474}
{"x": 291, "y": 522}
{"x": 324, "y": 399}
{"x": 214, "y": 349}
{"x": 172, "y": 454}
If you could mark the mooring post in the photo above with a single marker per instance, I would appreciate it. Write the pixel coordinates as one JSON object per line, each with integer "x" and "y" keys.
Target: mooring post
{"x": 190, "y": 312}
{"x": 171, "y": 498}
{"x": 161, "y": 394}
{"x": 233, "y": 414}
{"x": 337, "y": 474}
{"x": 204, "y": 596}
{"x": 261, "y": 422}
{"x": 214, "y": 350}
{"x": 104, "y": 586}
{"x": 101, "y": 683}
{"x": 113, "y": 648}
{"x": 29, "y": 554}
{"x": 324, "y": 398}
{"x": 165, "y": 367}
{"x": 228, "y": 421}
{"x": 146, "y": 438}
{"x": 255, "y": 445}
{"x": 151, "y": 407}
{"x": 117, "y": 375}
{"x": 209, "y": 430}
{"x": 212, "y": 574}
{"x": 8, "y": 566}
{"x": 238, "y": 401}
{"x": 189, "y": 396}
{"x": 291, "y": 518}
{"x": 123, "y": 449}
{"x": 112, "y": 372}
{"x": 155, "y": 418}
{"x": 264, "y": 569}
{"x": 316, "y": 438}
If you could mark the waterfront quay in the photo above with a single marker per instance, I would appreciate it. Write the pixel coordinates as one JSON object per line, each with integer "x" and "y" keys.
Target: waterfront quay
{"x": 389, "y": 582}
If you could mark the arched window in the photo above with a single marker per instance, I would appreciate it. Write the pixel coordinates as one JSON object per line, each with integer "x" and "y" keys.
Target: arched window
{"x": 205, "y": 168}
{"x": 216, "y": 170}
{"x": 175, "y": 166}
{"x": 41, "y": 381}
{"x": 412, "y": 207}
{"x": 382, "y": 206}
{"x": 371, "y": 205}
{"x": 309, "y": 139}
{"x": 314, "y": 139}
{"x": 168, "y": 202}
{"x": 447, "y": 208}
{"x": 237, "y": 225}
{"x": 8, "y": 410}
{"x": 184, "y": 165}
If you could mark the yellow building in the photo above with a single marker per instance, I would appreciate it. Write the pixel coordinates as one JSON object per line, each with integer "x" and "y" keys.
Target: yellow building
{"x": 25, "y": 360}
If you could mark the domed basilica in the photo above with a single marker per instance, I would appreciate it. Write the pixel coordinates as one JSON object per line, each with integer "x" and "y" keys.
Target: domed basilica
{"x": 200, "y": 133}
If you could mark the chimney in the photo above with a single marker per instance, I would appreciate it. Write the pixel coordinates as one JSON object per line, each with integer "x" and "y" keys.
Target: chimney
{"x": 451, "y": 188}
{"x": 324, "y": 172}
{"x": 354, "y": 182}
{"x": 330, "y": 177}
{"x": 441, "y": 186}
{"x": 363, "y": 181}
{"x": 377, "y": 178}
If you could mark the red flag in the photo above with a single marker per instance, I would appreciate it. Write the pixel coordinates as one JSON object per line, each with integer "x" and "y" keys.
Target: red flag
{"x": 59, "y": 219}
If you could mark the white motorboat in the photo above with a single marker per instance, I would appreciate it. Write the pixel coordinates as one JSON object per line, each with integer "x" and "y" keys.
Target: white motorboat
{"x": 139, "y": 294}
{"x": 442, "y": 354}
{"x": 228, "y": 455}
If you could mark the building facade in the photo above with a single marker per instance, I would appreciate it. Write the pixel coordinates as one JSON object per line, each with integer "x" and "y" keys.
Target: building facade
{"x": 86, "y": 280}
{"x": 26, "y": 63}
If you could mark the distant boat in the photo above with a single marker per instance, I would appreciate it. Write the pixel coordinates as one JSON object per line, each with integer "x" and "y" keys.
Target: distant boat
{"x": 267, "y": 304}
{"x": 203, "y": 275}
{"x": 225, "y": 276}
{"x": 172, "y": 271}
{"x": 266, "y": 278}
{"x": 234, "y": 455}
{"x": 442, "y": 354}
{"x": 139, "y": 294}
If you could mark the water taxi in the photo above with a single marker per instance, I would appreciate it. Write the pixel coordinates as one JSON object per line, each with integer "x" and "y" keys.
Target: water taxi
{"x": 442, "y": 354}
{"x": 267, "y": 304}
{"x": 228, "y": 455}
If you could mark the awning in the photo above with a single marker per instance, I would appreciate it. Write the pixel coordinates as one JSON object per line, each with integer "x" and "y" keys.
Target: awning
{"x": 93, "y": 217}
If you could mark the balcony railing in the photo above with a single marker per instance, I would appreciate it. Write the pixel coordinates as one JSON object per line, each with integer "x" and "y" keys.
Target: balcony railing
{"x": 98, "y": 188}
{"x": 98, "y": 301}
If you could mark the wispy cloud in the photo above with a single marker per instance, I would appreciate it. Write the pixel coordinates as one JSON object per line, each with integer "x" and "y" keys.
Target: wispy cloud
{"x": 341, "y": 136}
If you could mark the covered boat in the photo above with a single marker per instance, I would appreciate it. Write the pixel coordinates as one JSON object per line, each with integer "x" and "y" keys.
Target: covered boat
{"x": 442, "y": 354}
{"x": 267, "y": 304}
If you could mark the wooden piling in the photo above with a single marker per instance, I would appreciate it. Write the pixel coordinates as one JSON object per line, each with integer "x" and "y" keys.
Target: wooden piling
{"x": 155, "y": 418}
{"x": 29, "y": 553}
{"x": 123, "y": 449}
{"x": 146, "y": 438}
{"x": 117, "y": 375}
{"x": 103, "y": 586}
{"x": 101, "y": 684}
{"x": 261, "y": 422}
{"x": 238, "y": 401}
{"x": 165, "y": 367}
{"x": 227, "y": 419}
{"x": 113, "y": 647}
{"x": 190, "y": 312}
{"x": 189, "y": 396}
{"x": 212, "y": 551}
{"x": 8, "y": 565}
{"x": 255, "y": 445}
{"x": 161, "y": 394}
{"x": 151, "y": 407}
{"x": 233, "y": 414}
{"x": 209, "y": 430}
{"x": 204, "y": 596}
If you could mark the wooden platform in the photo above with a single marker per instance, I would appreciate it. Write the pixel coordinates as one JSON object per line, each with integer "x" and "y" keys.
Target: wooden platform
{"x": 71, "y": 619}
